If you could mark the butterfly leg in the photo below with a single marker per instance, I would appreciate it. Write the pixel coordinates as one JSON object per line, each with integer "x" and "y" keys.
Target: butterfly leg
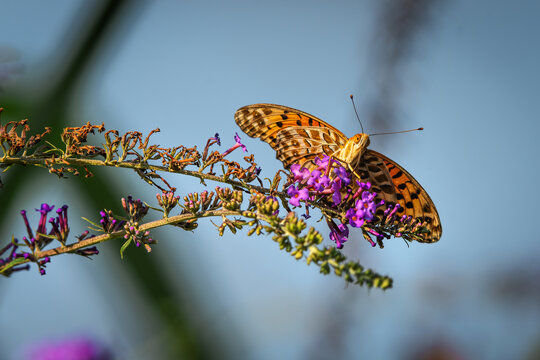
{"x": 331, "y": 163}
{"x": 353, "y": 171}
{"x": 334, "y": 157}
{"x": 351, "y": 168}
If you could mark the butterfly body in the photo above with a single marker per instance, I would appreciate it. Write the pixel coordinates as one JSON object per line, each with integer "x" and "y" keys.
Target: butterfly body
{"x": 299, "y": 138}
{"x": 353, "y": 150}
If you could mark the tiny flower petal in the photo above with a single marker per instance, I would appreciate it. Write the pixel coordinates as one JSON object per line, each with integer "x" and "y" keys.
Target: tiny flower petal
{"x": 355, "y": 217}
{"x": 237, "y": 139}
{"x": 336, "y": 188}
{"x": 342, "y": 173}
{"x": 300, "y": 173}
{"x": 235, "y": 146}
{"x": 293, "y": 195}
{"x": 322, "y": 162}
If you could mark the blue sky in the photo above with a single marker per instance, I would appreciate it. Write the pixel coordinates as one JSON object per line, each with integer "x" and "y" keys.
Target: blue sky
{"x": 472, "y": 82}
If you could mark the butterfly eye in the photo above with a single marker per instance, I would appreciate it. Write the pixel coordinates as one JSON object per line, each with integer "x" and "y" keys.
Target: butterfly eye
{"x": 357, "y": 138}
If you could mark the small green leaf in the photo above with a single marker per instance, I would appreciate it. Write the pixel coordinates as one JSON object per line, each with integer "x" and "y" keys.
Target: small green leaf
{"x": 124, "y": 247}
{"x": 93, "y": 223}
{"x": 11, "y": 264}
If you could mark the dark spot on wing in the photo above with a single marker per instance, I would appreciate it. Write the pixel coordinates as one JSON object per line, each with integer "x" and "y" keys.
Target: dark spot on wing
{"x": 398, "y": 174}
{"x": 380, "y": 178}
{"x": 370, "y": 159}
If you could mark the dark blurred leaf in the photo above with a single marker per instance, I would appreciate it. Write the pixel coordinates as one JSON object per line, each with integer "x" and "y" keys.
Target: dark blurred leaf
{"x": 84, "y": 43}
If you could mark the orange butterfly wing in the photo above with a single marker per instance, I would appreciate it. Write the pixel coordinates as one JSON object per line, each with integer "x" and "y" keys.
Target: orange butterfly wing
{"x": 394, "y": 184}
{"x": 297, "y": 137}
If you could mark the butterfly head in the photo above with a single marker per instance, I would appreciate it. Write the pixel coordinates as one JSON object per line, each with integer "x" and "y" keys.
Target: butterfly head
{"x": 354, "y": 148}
{"x": 361, "y": 140}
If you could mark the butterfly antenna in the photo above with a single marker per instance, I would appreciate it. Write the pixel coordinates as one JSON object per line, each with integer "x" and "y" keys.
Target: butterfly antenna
{"x": 398, "y": 132}
{"x": 356, "y": 112}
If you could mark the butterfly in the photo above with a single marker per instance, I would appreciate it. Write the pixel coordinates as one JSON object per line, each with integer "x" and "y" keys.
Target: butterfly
{"x": 299, "y": 138}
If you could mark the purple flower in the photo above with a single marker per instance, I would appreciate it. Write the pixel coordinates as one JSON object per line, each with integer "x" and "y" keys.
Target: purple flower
{"x": 373, "y": 232}
{"x": 389, "y": 212}
{"x": 45, "y": 209}
{"x": 27, "y": 224}
{"x": 109, "y": 223}
{"x": 136, "y": 209}
{"x": 338, "y": 233}
{"x": 343, "y": 174}
{"x": 336, "y": 188}
{"x": 367, "y": 205}
{"x": 235, "y": 146}
{"x": 297, "y": 195}
{"x": 368, "y": 196}
{"x": 59, "y": 224}
{"x": 295, "y": 169}
{"x": 364, "y": 186}
{"x": 322, "y": 162}
{"x": 59, "y": 231}
{"x": 42, "y": 225}
{"x": 361, "y": 188}
{"x": 237, "y": 139}
{"x": 300, "y": 173}
{"x": 324, "y": 181}
{"x": 315, "y": 180}
{"x": 356, "y": 217}
{"x": 77, "y": 348}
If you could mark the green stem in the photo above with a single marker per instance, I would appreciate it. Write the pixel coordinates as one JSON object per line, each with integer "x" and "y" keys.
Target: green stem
{"x": 118, "y": 234}
{"x": 48, "y": 162}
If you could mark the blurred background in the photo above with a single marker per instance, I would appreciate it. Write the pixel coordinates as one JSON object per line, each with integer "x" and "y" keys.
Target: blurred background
{"x": 465, "y": 71}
